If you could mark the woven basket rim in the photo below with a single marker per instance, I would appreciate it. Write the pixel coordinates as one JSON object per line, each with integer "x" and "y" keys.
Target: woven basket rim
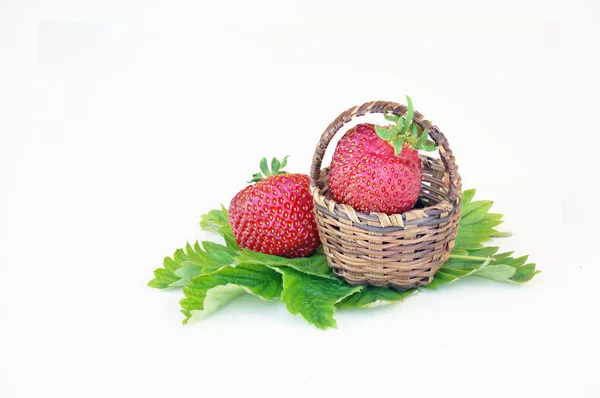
{"x": 408, "y": 217}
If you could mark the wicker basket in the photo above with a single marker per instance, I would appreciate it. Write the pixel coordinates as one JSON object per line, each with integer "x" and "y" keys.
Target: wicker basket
{"x": 402, "y": 251}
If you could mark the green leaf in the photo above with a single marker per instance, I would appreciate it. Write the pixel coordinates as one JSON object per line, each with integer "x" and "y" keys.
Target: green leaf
{"x": 475, "y": 211}
{"x": 451, "y": 274}
{"x": 467, "y": 196}
{"x": 230, "y": 242}
{"x": 409, "y": 114}
{"x": 428, "y": 146}
{"x": 186, "y": 264}
{"x": 188, "y": 271}
{"x": 214, "y": 274}
{"x": 167, "y": 276}
{"x": 264, "y": 168}
{"x": 258, "y": 280}
{"x": 372, "y": 296}
{"x": 215, "y": 256}
{"x": 312, "y": 265}
{"x": 414, "y": 133}
{"x": 477, "y": 230}
{"x": 422, "y": 138}
{"x": 391, "y": 117}
{"x": 275, "y": 165}
{"x": 215, "y": 299}
{"x": 524, "y": 273}
{"x": 397, "y": 144}
{"x": 502, "y": 256}
{"x": 516, "y": 262}
{"x": 466, "y": 243}
{"x": 400, "y": 125}
{"x": 383, "y": 133}
{"x": 482, "y": 225}
{"x": 463, "y": 263}
{"x": 163, "y": 278}
{"x": 485, "y": 252}
{"x": 497, "y": 272}
{"x": 256, "y": 177}
{"x": 283, "y": 162}
{"x": 313, "y": 297}
{"x": 215, "y": 220}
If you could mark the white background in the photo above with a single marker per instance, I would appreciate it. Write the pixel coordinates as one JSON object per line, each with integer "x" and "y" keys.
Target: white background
{"x": 122, "y": 122}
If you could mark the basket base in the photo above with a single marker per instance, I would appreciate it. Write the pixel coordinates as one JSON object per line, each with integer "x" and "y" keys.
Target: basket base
{"x": 422, "y": 277}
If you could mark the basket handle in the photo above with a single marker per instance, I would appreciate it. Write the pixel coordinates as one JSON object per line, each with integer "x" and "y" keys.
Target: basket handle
{"x": 400, "y": 110}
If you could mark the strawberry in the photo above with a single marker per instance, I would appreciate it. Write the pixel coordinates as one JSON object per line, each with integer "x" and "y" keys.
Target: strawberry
{"x": 275, "y": 215}
{"x": 377, "y": 169}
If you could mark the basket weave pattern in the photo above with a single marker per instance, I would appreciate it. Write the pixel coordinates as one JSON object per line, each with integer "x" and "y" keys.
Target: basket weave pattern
{"x": 402, "y": 251}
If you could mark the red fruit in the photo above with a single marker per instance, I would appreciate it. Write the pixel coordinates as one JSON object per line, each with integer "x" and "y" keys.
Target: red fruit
{"x": 376, "y": 169}
{"x": 367, "y": 175}
{"x": 274, "y": 216}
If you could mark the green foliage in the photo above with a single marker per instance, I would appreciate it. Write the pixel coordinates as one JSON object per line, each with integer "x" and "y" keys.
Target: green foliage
{"x": 404, "y": 131}
{"x": 276, "y": 168}
{"x": 312, "y": 265}
{"x": 212, "y": 275}
{"x": 313, "y": 297}
{"x": 258, "y": 280}
{"x": 371, "y": 295}
{"x": 191, "y": 262}
{"x": 217, "y": 221}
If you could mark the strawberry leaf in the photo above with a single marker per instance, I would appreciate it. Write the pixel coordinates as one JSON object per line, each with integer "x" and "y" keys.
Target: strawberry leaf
{"x": 256, "y": 177}
{"x": 313, "y": 265}
{"x": 230, "y": 242}
{"x": 409, "y": 115}
{"x": 414, "y": 133}
{"x": 372, "y": 296}
{"x": 391, "y": 117}
{"x": 497, "y": 272}
{"x": 383, "y": 133}
{"x": 163, "y": 278}
{"x": 475, "y": 212}
{"x": 428, "y": 146}
{"x": 191, "y": 262}
{"x": 452, "y": 273}
{"x": 524, "y": 273}
{"x": 283, "y": 162}
{"x": 313, "y": 297}
{"x": 276, "y": 169}
{"x": 397, "y": 144}
{"x": 186, "y": 273}
{"x": 217, "y": 221}
{"x": 275, "y": 165}
{"x": 213, "y": 275}
{"x": 258, "y": 280}
{"x": 400, "y": 125}
{"x": 167, "y": 276}
{"x": 215, "y": 299}
{"x": 422, "y": 138}
{"x": 467, "y": 196}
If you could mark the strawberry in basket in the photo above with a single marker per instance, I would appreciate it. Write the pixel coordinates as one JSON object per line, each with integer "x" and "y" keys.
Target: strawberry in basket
{"x": 377, "y": 169}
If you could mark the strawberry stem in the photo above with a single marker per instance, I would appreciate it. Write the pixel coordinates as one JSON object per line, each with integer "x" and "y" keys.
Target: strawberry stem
{"x": 276, "y": 168}
{"x": 405, "y": 132}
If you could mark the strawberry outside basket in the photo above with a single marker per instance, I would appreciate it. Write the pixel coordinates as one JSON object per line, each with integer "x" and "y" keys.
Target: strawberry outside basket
{"x": 401, "y": 251}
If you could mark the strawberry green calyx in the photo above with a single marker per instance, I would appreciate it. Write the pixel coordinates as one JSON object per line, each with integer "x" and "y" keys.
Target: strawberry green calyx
{"x": 276, "y": 169}
{"x": 405, "y": 132}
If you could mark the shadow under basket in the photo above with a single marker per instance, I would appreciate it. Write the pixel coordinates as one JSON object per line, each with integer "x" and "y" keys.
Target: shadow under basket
{"x": 401, "y": 251}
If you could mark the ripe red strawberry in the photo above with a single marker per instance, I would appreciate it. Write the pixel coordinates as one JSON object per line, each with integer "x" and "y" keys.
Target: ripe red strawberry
{"x": 376, "y": 169}
{"x": 274, "y": 216}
